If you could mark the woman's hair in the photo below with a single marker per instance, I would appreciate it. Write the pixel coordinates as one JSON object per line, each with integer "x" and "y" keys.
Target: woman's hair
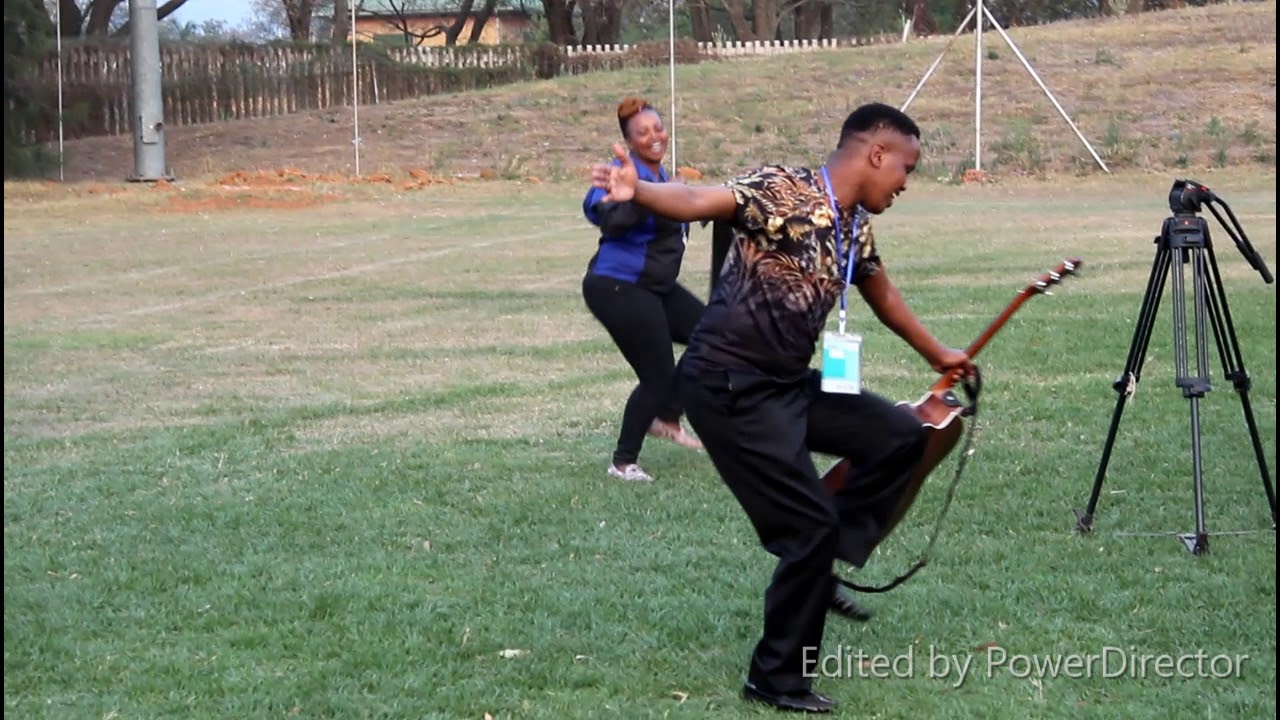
{"x": 629, "y": 108}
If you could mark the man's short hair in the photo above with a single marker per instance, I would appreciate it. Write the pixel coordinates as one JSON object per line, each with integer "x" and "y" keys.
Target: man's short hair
{"x": 877, "y": 116}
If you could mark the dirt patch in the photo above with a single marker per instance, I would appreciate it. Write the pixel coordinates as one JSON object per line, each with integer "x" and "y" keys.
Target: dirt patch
{"x": 287, "y": 188}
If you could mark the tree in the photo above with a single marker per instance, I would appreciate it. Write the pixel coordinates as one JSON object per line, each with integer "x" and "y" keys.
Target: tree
{"x": 100, "y": 18}
{"x": 700, "y": 19}
{"x": 28, "y": 30}
{"x": 813, "y": 20}
{"x": 341, "y": 21}
{"x": 601, "y": 21}
{"x": 480, "y": 20}
{"x": 559, "y": 14}
{"x": 297, "y": 15}
{"x": 919, "y": 16}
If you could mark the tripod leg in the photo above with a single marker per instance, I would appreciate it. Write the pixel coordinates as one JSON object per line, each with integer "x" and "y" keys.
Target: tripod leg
{"x": 1195, "y": 386}
{"x": 1127, "y": 383}
{"x": 1233, "y": 370}
{"x": 1197, "y": 543}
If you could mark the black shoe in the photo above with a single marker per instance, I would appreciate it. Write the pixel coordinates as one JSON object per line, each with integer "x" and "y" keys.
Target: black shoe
{"x": 842, "y": 603}
{"x": 799, "y": 701}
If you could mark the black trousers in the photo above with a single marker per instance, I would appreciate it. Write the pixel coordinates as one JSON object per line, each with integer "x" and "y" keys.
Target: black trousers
{"x": 759, "y": 432}
{"x": 643, "y": 324}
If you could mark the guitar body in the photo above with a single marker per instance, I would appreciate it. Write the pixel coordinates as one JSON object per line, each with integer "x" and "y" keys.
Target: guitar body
{"x": 939, "y": 412}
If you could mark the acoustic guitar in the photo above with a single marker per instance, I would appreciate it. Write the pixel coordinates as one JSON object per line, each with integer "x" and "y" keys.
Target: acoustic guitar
{"x": 940, "y": 410}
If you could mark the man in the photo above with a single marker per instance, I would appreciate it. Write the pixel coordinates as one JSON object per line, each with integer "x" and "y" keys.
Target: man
{"x": 800, "y": 239}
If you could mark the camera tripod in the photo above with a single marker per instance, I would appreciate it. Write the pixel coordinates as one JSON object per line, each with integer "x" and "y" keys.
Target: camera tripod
{"x": 1184, "y": 240}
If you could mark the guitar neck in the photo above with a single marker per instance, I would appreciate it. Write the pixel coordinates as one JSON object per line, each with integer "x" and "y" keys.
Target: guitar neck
{"x": 976, "y": 346}
{"x": 948, "y": 379}
{"x": 1068, "y": 267}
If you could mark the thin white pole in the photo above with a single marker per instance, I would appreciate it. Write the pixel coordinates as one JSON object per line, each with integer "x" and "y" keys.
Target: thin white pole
{"x": 671, "y": 43}
{"x": 355, "y": 90}
{"x": 980, "y": 11}
{"x": 977, "y": 95}
{"x": 58, "y": 33}
{"x": 1052, "y": 99}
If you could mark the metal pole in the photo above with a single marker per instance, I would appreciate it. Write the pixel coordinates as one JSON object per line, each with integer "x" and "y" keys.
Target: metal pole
{"x": 355, "y": 90}
{"x": 671, "y": 43}
{"x": 148, "y": 98}
{"x": 977, "y": 94}
{"x": 58, "y": 34}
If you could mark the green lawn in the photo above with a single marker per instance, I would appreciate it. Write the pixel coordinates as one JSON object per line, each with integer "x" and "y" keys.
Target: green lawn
{"x": 348, "y": 462}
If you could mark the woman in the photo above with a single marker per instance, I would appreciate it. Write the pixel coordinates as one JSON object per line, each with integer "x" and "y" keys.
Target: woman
{"x": 630, "y": 287}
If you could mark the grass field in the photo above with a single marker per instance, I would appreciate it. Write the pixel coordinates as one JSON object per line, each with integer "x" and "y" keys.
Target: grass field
{"x": 347, "y": 461}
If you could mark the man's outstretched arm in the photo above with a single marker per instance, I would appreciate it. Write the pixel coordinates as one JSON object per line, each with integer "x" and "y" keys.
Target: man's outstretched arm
{"x": 677, "y": 201}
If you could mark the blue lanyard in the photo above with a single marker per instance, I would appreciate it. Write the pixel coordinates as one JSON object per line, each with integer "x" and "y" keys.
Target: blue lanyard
{"x": 851, "y": 259}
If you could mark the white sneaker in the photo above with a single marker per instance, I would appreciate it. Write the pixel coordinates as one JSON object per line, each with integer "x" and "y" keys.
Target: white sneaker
{"x": 630, "y": 473}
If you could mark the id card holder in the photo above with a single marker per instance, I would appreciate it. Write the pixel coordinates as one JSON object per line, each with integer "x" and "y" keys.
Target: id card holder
{"x": 841, "y": 363}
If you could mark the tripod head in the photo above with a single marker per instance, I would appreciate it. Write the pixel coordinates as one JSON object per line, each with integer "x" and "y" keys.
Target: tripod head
{"x": 1187, "y": 197}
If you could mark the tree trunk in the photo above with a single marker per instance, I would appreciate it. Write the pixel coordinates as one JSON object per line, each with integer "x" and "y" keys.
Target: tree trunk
{"x": 341, "y": 21}
{"x": 700, "y": 17}
{"x": 806, "y": 18}
{"x": 482, "y": 19}
{"x": 737, "y": 11}
{"x": 452, "y": 32}
{"x": 100, "y": 17}
{"x": 766, "y": 16}
{"x": 601, "y": 22}
{"x": 559, "y": 14}
{"x": 922, "y": 22}
{"x": 70, "y": 17}
{"x": 298, "y": 14}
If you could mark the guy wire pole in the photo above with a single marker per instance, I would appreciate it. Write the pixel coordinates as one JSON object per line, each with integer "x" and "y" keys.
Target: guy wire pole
{"x": 976, "y": 13}
{"x": 1184, "y": 239}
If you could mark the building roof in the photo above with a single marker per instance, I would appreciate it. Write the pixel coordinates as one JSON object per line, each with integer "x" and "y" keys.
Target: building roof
{"x": 424, "y": 7}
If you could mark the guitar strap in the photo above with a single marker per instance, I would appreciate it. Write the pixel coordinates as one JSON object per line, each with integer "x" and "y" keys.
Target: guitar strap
{"x": 972, "y": 388}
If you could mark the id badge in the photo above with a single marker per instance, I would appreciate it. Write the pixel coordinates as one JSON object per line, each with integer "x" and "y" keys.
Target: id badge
{"x": 841, "y": 363}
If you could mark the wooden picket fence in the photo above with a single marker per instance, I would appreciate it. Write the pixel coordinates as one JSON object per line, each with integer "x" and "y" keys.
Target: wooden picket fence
{"x": 201, "y": 83}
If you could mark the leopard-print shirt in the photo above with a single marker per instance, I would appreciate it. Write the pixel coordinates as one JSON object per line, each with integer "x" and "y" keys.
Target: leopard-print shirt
{"x": 782, "y": 276}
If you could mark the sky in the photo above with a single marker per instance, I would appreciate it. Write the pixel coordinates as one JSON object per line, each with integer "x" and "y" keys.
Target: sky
{"x": 232, "y": 12}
